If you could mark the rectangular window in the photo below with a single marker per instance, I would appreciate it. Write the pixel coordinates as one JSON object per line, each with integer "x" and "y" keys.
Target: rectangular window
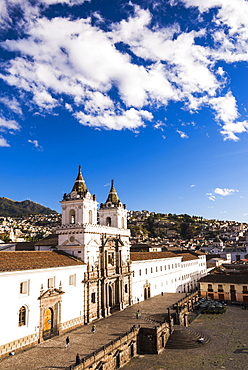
{"x": 93, "y": 297}
{"x": 24, "y": 287}
{"x": 164, "y": 267}
{"x": 140, "y": 272}
{"x": 72, "y": 280}
{"x": 151, "y": 270}
{"x": 146, "y": 271}
{"x": 210, "y": 287}
{"x": 156, "y": 269}
{"x": 161, "y": 268}
{"x": 245, "y": 289}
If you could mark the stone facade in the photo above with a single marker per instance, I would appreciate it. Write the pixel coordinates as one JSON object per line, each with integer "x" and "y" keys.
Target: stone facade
{"x": 104, "y": 247}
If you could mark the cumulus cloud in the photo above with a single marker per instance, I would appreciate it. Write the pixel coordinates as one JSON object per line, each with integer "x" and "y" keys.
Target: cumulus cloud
{"x": 224, "y": 192}
{"x": 193, "y": 186}
{"x": 3, "y": 142}
{"x": 8, "y": 124}
{"x": 113, "y": 77}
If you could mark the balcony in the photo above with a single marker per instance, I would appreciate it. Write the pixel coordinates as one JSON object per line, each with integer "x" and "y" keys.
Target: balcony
{"x": 210, "y": 290}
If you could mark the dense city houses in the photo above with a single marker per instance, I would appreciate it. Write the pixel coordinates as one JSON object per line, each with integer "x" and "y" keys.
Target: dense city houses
{"x": 84, "y": 272}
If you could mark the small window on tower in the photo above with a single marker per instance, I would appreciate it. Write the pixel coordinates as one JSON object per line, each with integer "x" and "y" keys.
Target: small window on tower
{"x": 90, "y": 217}
{"x": 108, "y": 221}
{"x": 72, "y": 216}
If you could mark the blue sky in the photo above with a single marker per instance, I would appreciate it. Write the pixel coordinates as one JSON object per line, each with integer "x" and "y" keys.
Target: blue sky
{"x": 150, "y": 93}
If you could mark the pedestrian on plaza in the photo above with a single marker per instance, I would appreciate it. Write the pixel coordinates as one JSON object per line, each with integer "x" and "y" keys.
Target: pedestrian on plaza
{"x": 67, "y": 342}
{"x": 93, "y": 330}
{"x": 137, "y": 314}
{"x": 78, "y": 359}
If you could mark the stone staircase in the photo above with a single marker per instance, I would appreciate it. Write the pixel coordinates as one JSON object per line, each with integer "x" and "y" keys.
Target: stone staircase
{"x": 185, "y": 338}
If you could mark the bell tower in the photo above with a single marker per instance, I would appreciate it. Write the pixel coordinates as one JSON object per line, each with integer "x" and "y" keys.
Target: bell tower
{"x": 79, "y": 206}
{"x": 113, "y": 213}
{"x": 79, "y": 211}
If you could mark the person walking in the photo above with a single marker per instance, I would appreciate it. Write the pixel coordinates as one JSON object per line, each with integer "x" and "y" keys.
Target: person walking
{"x": 67, "y": 342}
{"x": 78, "y": 359}
{"x": 93, "y": 330}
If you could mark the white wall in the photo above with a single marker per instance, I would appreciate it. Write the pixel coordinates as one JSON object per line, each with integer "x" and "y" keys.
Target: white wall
{"x": 164, "y": 276}
{"x": 12, "y": 300}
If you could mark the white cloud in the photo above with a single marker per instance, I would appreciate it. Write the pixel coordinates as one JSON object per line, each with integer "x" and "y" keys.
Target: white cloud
{"x": 12, "y": 104}
{"x": 182, "y": 134}
{"x": 211, "y": 197}
{"x": 224, "y": 192}
{"x": 159, "y": 125}
{"x": 9, "y": 125}
{"x": 36, "y": 144}
{"x": 130, "y": 119}
{"x": 3, "y": 142}
{"x": 192, "y": 186}
{"x": 70, "y": 63}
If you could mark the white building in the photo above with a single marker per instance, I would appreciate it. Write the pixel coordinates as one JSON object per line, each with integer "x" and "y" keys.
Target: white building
{"x": 88, "y": 275}
{"x": 42, "y": 294}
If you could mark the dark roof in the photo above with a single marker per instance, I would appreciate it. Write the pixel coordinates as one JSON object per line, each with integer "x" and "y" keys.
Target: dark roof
{"x": 225, "y": 278}
{"x": 25, "y": 246}
{"x": 139, "y": 256}
{"x": 17, "y": 261}
{"x": 50, "y": 240}
{"x": 188, "y": 256}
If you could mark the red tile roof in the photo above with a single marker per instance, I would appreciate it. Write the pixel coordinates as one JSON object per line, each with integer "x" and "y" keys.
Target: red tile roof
{"x": 188, "y": 257}
{"x": 139, "y": 256}
{"x": 16, "y": 261}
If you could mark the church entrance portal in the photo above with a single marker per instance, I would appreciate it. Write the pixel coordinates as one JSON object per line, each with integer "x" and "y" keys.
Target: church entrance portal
{"x": 48, "y": 327}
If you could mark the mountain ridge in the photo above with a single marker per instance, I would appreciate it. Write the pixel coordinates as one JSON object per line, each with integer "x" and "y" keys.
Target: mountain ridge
{"x": 12, "y": 208}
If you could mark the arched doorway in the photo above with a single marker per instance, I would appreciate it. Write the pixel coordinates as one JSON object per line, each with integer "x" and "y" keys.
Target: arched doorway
{"x": 48, "y": 328}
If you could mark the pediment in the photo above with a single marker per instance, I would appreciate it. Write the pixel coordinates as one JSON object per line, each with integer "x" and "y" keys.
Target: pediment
{"x": 71, "y": 243}
{"x": 51, "y": 293}
{"x": 93, "y": 242}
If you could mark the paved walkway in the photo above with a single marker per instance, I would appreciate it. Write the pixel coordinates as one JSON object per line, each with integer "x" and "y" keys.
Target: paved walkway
{"x": 52, "y": 353}
{"x": 227, "y": 349}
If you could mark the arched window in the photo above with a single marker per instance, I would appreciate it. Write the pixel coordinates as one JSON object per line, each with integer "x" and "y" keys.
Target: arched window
{"x": 22, "y": 316}
{"x": 72, "y": 216}
{"x": 108, "y": 221}
{"x": 90, "y": 217}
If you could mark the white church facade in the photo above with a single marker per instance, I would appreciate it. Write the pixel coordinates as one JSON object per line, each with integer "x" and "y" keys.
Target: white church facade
{"x": 90, "y": 274}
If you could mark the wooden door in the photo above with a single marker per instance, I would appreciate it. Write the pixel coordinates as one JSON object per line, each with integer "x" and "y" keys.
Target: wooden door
{"x": 48, "y": 319}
